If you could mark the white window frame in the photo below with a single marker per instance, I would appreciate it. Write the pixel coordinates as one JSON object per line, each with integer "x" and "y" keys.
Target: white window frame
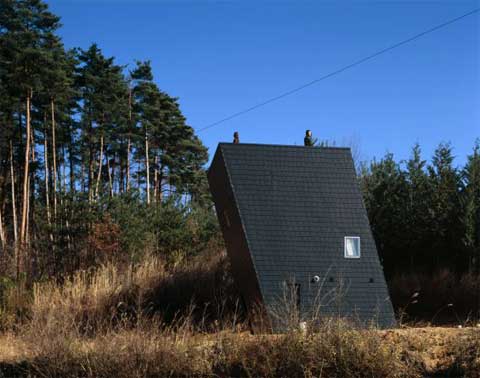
{"x": 345, "y": 247}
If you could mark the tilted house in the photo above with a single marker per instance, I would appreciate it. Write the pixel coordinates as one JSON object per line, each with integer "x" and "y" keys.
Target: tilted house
{"x": 293, "y": 219}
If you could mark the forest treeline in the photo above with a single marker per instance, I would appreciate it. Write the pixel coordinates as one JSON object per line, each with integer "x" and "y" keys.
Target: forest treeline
{"x": 82, "y": 137}
{"x": 425, "y": 216}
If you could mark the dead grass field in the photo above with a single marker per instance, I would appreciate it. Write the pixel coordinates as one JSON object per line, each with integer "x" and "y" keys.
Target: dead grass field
{"x": 106, "y": 323}
{"x": 338, "y": 352}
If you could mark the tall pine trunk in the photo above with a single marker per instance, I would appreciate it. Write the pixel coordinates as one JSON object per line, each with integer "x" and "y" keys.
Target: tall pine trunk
{"x": 121, "y": 172}
{"x": 99, "y": 175}
{"x": 31, "y": 191}
{"x": 110, "y": 178}
{"x": 54, "y": 158}
{"x": 14, "y": 204}
{"x": 71, "y": 162}
{"x": 23, "y": 227}
{"x": 129, "y": 142}
{"x": 27, "y": 225}
{"x": 64, "y": 201}
{"x": 129, "y": 146}
{"x": 2, "y": 232}
{"x": 63, "y": 175}
{"x": 155, "y": 180}
{"x": 47, "y": 181}
{"x": 160, "y": 181}
{"x": 47, "y": 185}
{"x": 90, "y": 164}
{"x": 147, "y": 167}
{"x": 82, "y": 176}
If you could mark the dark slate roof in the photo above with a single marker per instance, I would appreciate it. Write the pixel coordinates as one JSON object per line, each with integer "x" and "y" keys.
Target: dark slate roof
{"x": 297, "y": 204}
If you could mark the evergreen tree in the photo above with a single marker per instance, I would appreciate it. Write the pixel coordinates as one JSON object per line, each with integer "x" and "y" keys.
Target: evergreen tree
{"x": 446, "y": 214}
{"x": 471, "y": 208}
{"x": 386, "y": 195}
{"x": 103, "y": 103}
{"x": 417, "y": 212}
{"x": 71, "y": 116}
{"x": 147, "y": 110}
{"x": 181, "y": 155}
{"x": 173, "y": 156}
{"x": 27, "y": 29}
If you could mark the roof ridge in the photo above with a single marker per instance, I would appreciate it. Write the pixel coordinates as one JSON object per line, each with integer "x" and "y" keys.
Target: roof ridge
{"x": 282, "y": 145}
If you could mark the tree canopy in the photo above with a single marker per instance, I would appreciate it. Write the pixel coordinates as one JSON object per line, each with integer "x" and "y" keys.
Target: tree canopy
{"x": 425, "y": 216}
{"x": 78, "y": 131}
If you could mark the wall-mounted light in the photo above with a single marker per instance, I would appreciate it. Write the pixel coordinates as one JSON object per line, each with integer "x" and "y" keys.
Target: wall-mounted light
{"x": 315, "y": 279}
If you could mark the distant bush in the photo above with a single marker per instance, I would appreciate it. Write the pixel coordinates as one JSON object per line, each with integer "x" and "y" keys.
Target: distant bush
{"x": 438, "y": 297}
{"x": 123, "y": 230}
{"x": 163, "y": 228}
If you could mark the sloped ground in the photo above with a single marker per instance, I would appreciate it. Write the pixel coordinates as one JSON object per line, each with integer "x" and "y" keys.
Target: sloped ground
{"x": 411, "y": 352}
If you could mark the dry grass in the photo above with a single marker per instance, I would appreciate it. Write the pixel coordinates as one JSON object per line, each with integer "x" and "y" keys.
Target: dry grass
{"x": 93, "y": 299}
{"x": 111, "y": 297}
{"x": 153, "y": 321}
{"x": 443, "y": 351}
{"x": 465, "y": 352}
{"x": 12, "y": 348}
{"x": 146, "y": 351}
{"x": 152, "y": 350}
{"x": 336, "y": 350}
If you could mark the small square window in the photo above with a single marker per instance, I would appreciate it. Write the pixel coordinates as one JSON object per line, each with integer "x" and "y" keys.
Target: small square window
{"x": 352, "y": 247}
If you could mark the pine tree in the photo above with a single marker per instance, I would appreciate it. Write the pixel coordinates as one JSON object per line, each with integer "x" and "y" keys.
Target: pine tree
{"x": 104, "y": 93}
{"x": 471, "y": 208}
{"x": 418, "y": 214}
{"x": 146, "y": 105}
{"x": 58, "y": 93}
{"x": 173, "y": 155}
{"x": 73, "y": 113}
{"x": 386, "y": 196}
{"x": 27, "y": 29}
{"x": 446, "y": 213}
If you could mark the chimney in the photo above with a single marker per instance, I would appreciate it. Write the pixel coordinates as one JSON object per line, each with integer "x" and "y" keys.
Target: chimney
{"x": 308, "y": 140}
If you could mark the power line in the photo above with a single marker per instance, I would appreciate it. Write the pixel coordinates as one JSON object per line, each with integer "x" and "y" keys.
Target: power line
{"x": 344, "y": 68}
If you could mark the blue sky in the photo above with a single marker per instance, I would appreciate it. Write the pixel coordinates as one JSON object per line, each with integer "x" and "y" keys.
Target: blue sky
{"x": 222, "y": 57}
